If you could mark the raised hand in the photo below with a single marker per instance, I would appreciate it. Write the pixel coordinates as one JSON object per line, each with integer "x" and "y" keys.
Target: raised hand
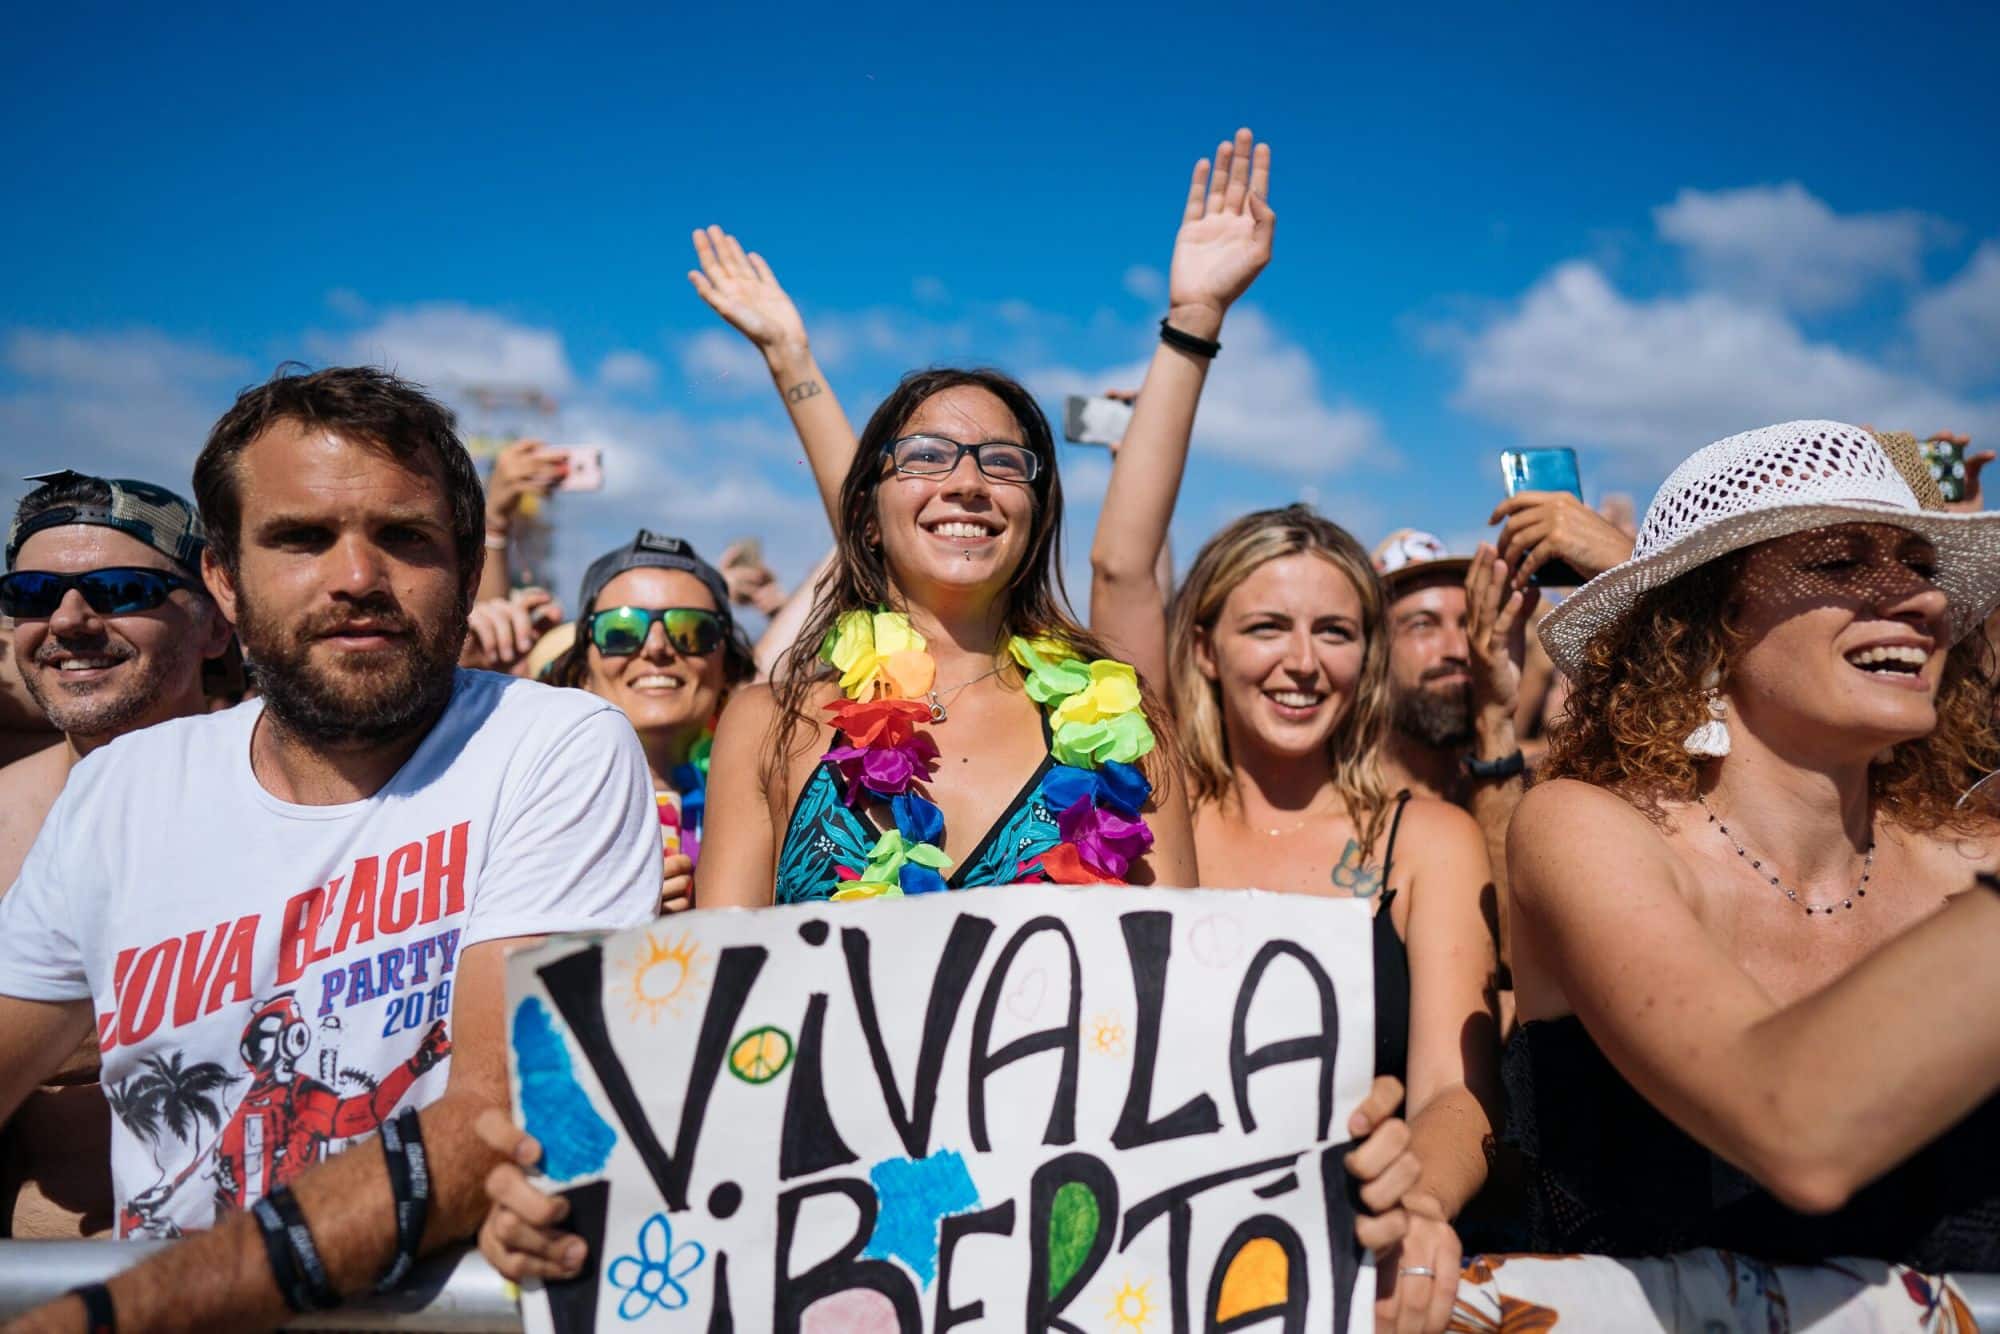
{"x": 742, "y": 289}
{"x": 1225, "y": 236}
{"x": 1496, "y": 629}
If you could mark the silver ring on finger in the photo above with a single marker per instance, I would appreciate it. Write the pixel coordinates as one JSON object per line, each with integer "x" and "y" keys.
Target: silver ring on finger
{"x": 1418, "y": 1271}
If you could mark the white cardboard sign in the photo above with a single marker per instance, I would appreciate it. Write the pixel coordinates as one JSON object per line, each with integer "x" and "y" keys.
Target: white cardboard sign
{"x": 1028, "y": 1107}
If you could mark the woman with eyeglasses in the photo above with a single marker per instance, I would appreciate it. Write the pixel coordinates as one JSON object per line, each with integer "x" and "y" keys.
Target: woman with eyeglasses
{"x": 656, "y": 638}
{"x": 942, "y": 722}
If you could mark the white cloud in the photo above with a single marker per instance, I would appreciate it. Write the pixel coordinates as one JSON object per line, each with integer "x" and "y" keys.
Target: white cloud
{"x": 1577, "y": 362}
{"x": 845, "y": 339}
{"x": 1782, "y": 244}
{"x": 1958, "y": 325}
{"x": 450, "y": 346}
{"x": 721, "y": 363}
{"x": 1264, "y": 403}
{"x": 137, "y": 403}
{"x": 1145, "y": 282}
{"x": 129, "y": 359}
{"x": 626, "y": 370}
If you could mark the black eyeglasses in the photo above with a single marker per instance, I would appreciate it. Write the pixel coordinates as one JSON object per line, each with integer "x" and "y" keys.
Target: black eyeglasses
{"x": 34, "y": 595}
{"x": 935, "y": 456}
{"x": 619, "y": 632}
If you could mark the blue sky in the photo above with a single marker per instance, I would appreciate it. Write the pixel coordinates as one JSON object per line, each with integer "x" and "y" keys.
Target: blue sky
{"x": 1566, "y": 226}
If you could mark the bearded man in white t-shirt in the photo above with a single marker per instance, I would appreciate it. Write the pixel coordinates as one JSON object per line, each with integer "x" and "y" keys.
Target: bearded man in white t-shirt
{"x": 286, "y": 922}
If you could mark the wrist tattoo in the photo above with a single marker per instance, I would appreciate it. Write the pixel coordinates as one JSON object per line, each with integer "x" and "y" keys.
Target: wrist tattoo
{"x": 802, "y": 391}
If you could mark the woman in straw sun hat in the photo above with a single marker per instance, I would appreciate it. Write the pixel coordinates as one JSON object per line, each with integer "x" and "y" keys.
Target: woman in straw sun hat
{"x": 1749, "y": 929}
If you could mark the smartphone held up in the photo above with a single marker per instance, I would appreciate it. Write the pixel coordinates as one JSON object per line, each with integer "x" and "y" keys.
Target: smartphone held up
{"x": 583, "y": 468}
{"x": 1095, "y": 420}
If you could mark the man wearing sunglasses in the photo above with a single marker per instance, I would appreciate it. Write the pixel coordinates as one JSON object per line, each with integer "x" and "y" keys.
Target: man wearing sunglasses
{"x": 111, "y": 627}
{"x": 300, "y": 906}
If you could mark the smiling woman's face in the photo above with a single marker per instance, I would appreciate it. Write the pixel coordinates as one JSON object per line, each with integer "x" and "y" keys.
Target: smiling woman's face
{"x": 1844, "y": 637}
{"x": 659, "y": 687}
{"x": 1286, "y": 654}
{"x": 961, "y": 530}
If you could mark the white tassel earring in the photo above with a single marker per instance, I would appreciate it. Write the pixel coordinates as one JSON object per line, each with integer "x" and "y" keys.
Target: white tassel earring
{"x": 1711, "y": 739}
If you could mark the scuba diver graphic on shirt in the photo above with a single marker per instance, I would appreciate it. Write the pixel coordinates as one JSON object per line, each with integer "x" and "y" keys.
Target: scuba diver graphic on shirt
{"x": 286, "y": 1121}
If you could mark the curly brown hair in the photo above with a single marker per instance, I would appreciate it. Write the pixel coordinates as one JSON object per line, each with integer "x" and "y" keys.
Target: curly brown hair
{"x": 1640, "y": 693}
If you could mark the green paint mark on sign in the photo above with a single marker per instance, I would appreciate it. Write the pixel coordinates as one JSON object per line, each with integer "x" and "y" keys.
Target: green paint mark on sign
{"x": 1072, "y": 1228}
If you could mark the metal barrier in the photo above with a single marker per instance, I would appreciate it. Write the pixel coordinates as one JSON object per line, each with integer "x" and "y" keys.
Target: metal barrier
{"x": 454, "y": 1291}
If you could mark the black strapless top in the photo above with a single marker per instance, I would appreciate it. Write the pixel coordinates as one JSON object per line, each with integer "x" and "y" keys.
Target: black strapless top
{"x": 1609, "y": 1175}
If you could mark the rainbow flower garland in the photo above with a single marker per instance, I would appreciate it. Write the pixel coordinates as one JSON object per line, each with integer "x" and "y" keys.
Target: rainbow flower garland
{"x": 1098, "y": 732}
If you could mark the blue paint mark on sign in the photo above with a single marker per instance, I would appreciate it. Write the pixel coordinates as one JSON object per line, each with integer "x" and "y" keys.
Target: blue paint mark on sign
{"x": 915, "y": 1195}
{"x": 575, "y": 1139}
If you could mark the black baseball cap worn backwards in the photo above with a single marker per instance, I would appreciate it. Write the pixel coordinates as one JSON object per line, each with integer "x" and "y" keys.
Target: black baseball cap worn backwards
{"x": 156, "y": 516}
{"x": 649, "y": 550}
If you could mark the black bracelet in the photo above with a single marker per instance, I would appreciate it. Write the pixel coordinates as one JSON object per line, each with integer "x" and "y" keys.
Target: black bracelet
{"x": 295, "y": 1263}
{"x": 97, "y": 1310}
{"x": 1507, "y": 766}
{"x": 1187, "y": 342}
{"x": 410, "y": 1184}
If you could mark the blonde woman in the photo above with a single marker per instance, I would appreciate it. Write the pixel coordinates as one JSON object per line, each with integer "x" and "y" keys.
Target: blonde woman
{"x": 1279, "y": 684}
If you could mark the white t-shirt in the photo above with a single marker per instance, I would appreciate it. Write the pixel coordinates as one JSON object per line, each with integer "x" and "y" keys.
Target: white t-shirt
{"x": 272, "y": 980}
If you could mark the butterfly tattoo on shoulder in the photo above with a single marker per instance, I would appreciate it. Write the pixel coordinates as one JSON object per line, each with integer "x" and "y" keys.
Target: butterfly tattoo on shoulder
{"x": 1354, "y": 875}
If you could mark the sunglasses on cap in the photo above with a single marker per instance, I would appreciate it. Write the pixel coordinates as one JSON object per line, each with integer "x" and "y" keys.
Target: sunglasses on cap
{"x": 619, "y": 632}
{"x": 34, "y": 595}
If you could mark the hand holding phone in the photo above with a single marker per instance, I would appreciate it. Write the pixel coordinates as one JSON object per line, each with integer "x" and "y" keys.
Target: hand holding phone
{"x": 583, "y": 468}
{"x": 1551, "y": 538}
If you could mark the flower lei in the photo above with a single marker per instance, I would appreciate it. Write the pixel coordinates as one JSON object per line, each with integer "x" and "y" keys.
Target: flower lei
{"x": 1098, "y": 732}
{"x": 682, "y": 809}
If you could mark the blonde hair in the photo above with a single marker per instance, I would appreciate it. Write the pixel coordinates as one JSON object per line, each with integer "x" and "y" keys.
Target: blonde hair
{"x": 1231, "y": 556}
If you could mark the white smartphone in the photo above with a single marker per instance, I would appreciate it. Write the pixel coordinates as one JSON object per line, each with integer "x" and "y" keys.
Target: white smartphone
{"x": 583, "y": 468}
{"x": 1096, "y": 420}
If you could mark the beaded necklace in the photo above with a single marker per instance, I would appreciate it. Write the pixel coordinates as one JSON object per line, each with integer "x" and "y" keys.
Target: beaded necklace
{"x": 1097, "y": 732}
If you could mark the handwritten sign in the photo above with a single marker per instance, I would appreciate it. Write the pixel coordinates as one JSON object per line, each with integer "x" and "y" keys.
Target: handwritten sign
{"x": 1022, "y": 1108}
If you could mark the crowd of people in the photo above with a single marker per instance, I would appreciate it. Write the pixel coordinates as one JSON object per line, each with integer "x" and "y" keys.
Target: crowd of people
{"x": 1680, "y": 920}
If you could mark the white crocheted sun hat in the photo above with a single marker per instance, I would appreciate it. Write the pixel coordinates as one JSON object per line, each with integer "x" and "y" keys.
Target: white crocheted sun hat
{"x": 1769, "y": 483}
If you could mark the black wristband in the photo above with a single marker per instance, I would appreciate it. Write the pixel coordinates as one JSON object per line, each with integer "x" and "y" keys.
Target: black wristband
{"x": 97, "y": 1310}
{"x": 1187, "y": 342}
{"x": 410, "y": 1184}
{"x": 1507, "y": 766}
{"x": 295, "y": 1263}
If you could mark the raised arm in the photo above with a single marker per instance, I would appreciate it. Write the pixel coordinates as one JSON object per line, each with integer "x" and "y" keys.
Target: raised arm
{"x": 1814, "y": 1099}
{"x": 742, "y": 289}
{"x": 1223, "y": 244}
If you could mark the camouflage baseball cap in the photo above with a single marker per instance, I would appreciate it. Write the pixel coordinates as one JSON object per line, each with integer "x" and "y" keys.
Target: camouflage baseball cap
{"x": 156, "y": 516}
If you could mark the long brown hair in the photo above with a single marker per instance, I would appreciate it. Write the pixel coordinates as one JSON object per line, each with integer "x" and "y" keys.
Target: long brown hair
{"x": 1036, "y": 601}
{"x": 1639, "y": 694}
{"x": 1355, "y": 746}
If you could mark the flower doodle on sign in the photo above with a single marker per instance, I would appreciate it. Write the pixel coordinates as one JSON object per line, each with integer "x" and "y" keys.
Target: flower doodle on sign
{"x": 653, "y": 1276}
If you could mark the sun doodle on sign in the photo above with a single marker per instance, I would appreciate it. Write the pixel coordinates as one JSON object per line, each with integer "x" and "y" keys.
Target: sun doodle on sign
{"x": 664, "y": 976}
{"x": 761, "y": 1055}
{"x": 1107, "y": 1035}
{"x": 1131, "y": 1308}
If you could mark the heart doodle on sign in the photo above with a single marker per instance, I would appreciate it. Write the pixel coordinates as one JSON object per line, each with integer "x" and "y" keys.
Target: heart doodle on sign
{"x": 1024, "y": 999}
{"x": 1215, "y": 941}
